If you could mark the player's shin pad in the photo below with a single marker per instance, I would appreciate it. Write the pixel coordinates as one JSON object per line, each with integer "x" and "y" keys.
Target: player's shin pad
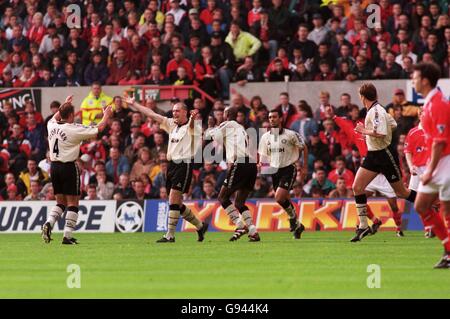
{"x": 174, "y": 215}
{"x": 234, "y": 216}
{"x": 55, "y": 214}
{"x": 289, "y": 209}
{"x": 71, "y": 221}
{"x": 189, "y": 216}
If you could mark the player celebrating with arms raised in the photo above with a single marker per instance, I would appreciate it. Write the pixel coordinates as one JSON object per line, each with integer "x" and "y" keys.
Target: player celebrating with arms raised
{"x": 241, "y": 175}
{"x": 180, "y": 153}
{"x": 64, "y": 138}
{"x": 282, "y": 149}
{"x": 381, "y": 158}
{"x": 435, "y": 180}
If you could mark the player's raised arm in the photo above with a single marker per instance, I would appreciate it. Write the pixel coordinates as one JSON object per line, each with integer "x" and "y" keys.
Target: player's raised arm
{"x": 107, "y": 114}
{"x": 194, "y": 114}
{"x": 142, "y": 109}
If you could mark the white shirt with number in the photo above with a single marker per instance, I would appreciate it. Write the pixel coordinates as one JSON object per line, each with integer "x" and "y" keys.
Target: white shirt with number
{"x": 182, "y": 144}
{"x": 234, "y": 137}
{"x": 380, "y": 122}
{"x": 283, "y": 148}
{"x": 65, "y": 138}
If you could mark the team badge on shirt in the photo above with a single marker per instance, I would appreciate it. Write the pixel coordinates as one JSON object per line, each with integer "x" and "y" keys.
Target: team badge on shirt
{"x": 440, "y": 128}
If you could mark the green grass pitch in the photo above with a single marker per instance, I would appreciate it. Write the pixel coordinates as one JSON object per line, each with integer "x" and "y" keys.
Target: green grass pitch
{"x": 320, "y": 265}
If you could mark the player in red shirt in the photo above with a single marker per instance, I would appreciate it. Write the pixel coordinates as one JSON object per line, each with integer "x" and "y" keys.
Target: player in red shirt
{"x": 435, "y": 181}
{"x": 416, "y": 154}
{"x": 379, "y": 184}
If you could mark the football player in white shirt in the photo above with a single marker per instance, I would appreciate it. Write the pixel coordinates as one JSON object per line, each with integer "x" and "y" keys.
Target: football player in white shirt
{"x": 241, "y": 175}
{"x": 282, "y": 148}
{"x": 180, "y": 152}
{"x": 381, "y": 157}
{"x": 64, "y": 138}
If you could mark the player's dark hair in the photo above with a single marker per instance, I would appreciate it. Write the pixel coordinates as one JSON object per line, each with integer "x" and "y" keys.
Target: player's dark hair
{"x": 231, "y": 113}
{"x": 369, "y": 91}
{"x": 429, "y": 71}
{"x": 65, "y": 110}
{"x": 278, "y": 111}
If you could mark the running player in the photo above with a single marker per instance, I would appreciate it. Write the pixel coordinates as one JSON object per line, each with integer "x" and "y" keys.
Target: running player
{"x": 282, "y": 148}
{"x": 435, "y": 180}
{"x": 64, "y": 138}
{"x": 381, "y": 157}
{"x": 241, "y": 175}
{"x": 180, "y": 154}
{"x": 379, "y": 183}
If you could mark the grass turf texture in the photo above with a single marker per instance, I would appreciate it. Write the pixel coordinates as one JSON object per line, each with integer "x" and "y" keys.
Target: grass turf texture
{"x": 321, "y": 265}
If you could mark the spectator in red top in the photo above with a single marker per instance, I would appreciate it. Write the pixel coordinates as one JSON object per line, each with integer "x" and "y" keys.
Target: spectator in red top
{"x": 330, "y": 137}
{"x": 27, "y": 78}
{"x": 178, "y": 60}
{"x": 254, "y": 14}
{"x": 364, "y": 42}
{"x": 19, "y": 149}
{"x": 119, "y": 68}
{"x": 325, "y": 73}
{"x": 319, "y": 114}
{"x": 137, "y": 53}
{"x": 95, "y": 27}
{"x": 288, "y": 110}
{"x": 279, "y": 73}
{"x": 29, "y": 108}
{"x": 37, "y": 31}
{"x": 341, "y": 172}
{"x": 205, "y": 72}
{"x": 281, "y": 55}
{"x": 207, "y": 14}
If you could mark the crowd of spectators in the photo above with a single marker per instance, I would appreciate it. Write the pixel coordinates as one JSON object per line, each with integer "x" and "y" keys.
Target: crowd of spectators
{"x": 211, "y": 43}
{"x": 128, "y": 159}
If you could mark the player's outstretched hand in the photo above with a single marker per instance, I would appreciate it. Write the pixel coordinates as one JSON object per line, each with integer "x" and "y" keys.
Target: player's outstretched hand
{"x": 107, "y": 112}
{"x": 128, "y": 100}
{"x": 194, "y": 114}
{"x": 69, "y": 99}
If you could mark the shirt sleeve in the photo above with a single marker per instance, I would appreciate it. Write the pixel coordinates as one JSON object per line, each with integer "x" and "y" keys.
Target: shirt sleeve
{"x": 408, "y": 146}
{"x": 262, "y": 149}
{"x": 297, "y": 140}
{"x": 379, "y": 123}
{"x": 441, "y": 115}
{"x": 86, "y": 132}
{"x": 166, "y": 124}
{"x": 391, "y": 121}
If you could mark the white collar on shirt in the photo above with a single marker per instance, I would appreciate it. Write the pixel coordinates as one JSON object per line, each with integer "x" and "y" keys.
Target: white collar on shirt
{"x": 430, "y": 95}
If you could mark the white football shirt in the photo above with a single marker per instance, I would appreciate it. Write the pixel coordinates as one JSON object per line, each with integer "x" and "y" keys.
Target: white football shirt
{"x": 378, "y": 121}
{"x": 182, "y": 144}
{"x": 65, "y": 138}
{"x": 283, "y": 148}
{"x": 234, "y": 137}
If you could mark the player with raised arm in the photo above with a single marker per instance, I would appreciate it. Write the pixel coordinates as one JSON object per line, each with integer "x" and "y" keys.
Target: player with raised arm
{"x": 282, "y": 148}
{"x": 381, "y": 157}
{"x": 435, "y": 180}
{"x": 379, "y": 183}
{"x": 64, "y": 138}
{"x": 241, "y": 175}
{"x": 180, "y": 154}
